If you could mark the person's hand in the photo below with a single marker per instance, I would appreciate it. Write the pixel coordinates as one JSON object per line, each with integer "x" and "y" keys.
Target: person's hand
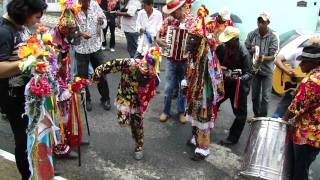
{"x": 253, "y": 50}
{"x": 260, "y": 58}
{"x": 162, "y": 43}
{"x": 27, "y": 65}
{"x": 100, "y": 20}
{"x": 291, "y": 73}
{"x": 142, "y": 30}
{"x": 85, "y": 35}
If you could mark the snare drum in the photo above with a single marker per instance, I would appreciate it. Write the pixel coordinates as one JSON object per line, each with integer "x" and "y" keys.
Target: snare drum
{"x": 268, "y": 153}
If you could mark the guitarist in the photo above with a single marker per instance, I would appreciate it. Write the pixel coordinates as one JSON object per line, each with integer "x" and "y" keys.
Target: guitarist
{"x": 289, "y": 56}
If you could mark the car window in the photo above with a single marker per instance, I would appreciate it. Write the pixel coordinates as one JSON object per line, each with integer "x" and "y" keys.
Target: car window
{"x": 304, "y": 43}
{"x": 287, "y": 37}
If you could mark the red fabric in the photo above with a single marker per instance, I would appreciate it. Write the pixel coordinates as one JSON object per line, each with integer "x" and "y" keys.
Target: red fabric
{"x": 236, "y": 99}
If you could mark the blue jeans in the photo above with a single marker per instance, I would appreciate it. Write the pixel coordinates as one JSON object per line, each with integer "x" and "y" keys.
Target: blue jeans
{"x": 174, "y": 73}
{"x": 284, "y": 104}
{"x": 261, "y": 85}
{"x": 132, "y": 42}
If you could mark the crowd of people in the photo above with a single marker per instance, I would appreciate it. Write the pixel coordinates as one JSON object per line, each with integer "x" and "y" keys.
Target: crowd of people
{"x": 216, "y": 67}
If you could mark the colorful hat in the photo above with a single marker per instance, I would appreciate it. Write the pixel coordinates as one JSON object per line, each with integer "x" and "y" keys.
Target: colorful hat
{"x": 172, "y": 5}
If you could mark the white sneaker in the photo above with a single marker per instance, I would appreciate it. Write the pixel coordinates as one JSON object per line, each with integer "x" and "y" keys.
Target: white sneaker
{"x": 112, "y": 50}
{"x": 103, "y": 48}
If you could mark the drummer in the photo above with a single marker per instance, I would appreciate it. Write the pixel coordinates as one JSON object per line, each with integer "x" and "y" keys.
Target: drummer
{"x": 305, "y": 108}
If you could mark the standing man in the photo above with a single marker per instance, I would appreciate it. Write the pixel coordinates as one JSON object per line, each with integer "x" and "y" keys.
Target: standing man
{"x": 288, "y": 56}
{"x": 128, "y": 24}
{"x": 21, "y": 14}
{"x": 149, "y": 22}
{"x": 109, "y": 7}
{"x": 234, "y": 57}
{"x": 262, "y": 44}
{"x": 91, "y": 19}
{"x": 175, "y": 69}
{"x": 305, "y": 109}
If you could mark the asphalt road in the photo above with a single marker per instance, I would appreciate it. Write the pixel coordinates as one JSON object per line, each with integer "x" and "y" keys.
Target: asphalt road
{"x": 110, "y": 153}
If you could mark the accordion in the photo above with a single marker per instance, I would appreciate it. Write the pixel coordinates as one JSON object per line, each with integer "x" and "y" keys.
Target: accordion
{"x": 176, "y": 44}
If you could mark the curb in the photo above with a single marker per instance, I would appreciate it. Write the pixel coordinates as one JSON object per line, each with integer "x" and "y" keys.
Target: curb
{"x": 8, "y": 156}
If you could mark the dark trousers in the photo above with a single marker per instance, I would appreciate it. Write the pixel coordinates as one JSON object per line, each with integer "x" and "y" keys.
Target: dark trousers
{"x": 240, "y": 113}
{"x": 132, "y": 42}
{"x": 14, "y": 108}
{"x": 304, "y": 155}
{"x": 112, "y": 28}
{"x": 96, "y": 59}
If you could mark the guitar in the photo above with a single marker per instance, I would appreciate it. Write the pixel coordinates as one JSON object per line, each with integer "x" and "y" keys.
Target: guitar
{"x": 282, "y": 83}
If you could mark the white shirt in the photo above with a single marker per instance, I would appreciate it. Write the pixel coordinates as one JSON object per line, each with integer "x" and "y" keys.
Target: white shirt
{"x": 90, "y": 25}
{"x": 151, "y": 24}
{"x": 128, "y": 24}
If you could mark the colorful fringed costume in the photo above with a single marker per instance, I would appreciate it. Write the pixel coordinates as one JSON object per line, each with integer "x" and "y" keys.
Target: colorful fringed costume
{"x": 204, "y": 86}
{"x": 136, "y": 89}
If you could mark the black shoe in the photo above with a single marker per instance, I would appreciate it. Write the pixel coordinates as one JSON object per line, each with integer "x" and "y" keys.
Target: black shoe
{"x": 227, "y": 142}
{"x": 189, "y": 143}
{"x": 106, "y": 105}
{"x": 88, "y": 106}
{"x": 197, "y": 157}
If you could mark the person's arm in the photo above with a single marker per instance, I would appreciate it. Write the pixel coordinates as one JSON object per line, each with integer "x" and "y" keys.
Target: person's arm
{"x": 162, "y": 33}
{"x": 139, "y": 23}
{"x": 273, "y": 49}
{"x": 247, "y": 64}
{"x": 102, "y": 19}
{"x": 279, "y": 63}
{"x": 132, "y": 9}
{"x": 306, "y": 99}
{"x": 112, "y": 66}
{"x": 248, "y": 44}
{"x": 9, "y": 69}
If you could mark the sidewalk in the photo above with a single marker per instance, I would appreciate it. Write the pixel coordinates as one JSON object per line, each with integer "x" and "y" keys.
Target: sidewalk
{"x": 8, "y": 169}
{"x": 52, "y": 20}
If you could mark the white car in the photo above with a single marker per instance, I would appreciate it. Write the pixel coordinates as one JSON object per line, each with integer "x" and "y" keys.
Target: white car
{"x": 294, "y": 40}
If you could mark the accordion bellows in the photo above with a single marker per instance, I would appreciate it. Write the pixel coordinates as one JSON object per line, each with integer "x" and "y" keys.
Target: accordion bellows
{"x": 176, "y": 44}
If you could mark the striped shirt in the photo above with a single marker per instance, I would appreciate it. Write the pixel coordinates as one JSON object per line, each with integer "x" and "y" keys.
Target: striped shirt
{"x": 268, "y": 45}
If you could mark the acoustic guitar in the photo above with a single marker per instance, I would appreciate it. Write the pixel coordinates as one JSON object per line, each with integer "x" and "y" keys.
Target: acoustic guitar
{"x": 282, "y": 83}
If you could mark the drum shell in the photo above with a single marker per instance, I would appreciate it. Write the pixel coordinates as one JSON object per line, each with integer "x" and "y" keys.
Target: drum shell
{"x": 269, "y": 151}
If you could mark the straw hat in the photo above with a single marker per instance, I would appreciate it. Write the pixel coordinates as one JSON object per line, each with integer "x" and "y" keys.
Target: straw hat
{"x": 229, "y": 33}
{"x": 172, "y": 5}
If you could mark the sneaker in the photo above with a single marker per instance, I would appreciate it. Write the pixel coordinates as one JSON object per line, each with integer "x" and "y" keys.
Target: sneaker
{"x": 112, "y": 50}
{"x": 138, "y": 155}
{"x": 163, "y": 117}
{"x": 88, "y": 105}
{"x": 106, "y": 105}
{"x": 182, "y": 118}
{"x": 103, "y": 48}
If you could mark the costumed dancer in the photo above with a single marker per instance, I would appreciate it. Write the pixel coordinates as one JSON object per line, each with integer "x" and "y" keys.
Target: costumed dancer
{"x": 136, "y": 89}
{"x": 22, "y": 14}
{"x": 203, "y": 79}
{"x": 38, "y": 56}
{"x": 66, "y": 34}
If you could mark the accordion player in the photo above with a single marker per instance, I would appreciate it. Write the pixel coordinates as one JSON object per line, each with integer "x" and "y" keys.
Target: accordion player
{"x": 176, "y": 44}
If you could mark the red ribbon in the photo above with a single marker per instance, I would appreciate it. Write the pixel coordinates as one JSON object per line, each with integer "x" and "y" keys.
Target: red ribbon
{"x": 236, "y": 99}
